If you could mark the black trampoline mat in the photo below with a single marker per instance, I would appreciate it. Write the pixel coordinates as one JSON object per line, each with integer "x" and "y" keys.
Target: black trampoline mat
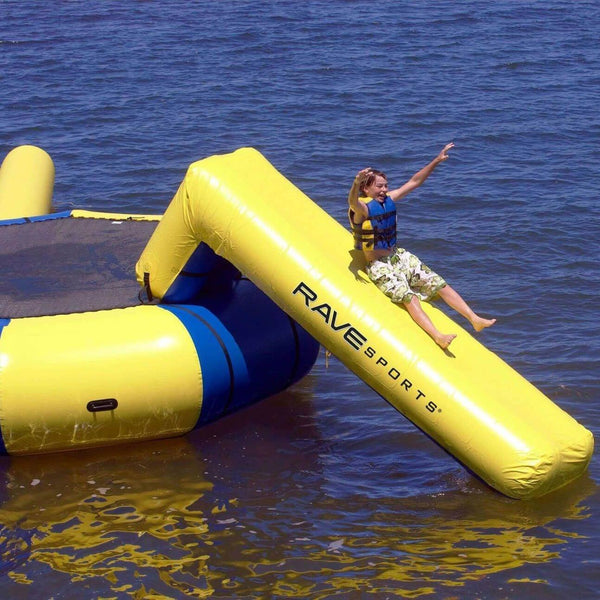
{"x": 67, "y": 265}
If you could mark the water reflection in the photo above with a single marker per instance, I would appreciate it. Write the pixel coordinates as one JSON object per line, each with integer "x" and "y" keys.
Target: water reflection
{"x": 241, "y": 508}
{"x": 93, "y": 515}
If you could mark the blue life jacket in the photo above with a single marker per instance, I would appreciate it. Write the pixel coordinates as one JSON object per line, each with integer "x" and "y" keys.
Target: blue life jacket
{"x": 378, "y": 231}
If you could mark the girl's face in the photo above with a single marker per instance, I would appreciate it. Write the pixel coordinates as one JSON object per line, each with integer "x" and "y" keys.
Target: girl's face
{"x": 378, "y": 189}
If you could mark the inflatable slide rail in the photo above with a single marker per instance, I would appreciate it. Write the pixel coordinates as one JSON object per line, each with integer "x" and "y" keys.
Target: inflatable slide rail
{"x": 470, "y": 401}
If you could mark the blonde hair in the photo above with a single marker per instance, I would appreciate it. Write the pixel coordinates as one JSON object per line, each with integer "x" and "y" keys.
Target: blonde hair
{"x": 370, "y": 177}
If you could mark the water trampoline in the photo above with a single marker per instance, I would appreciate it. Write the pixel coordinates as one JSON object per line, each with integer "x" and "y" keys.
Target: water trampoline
{"x": 87, "y": 359}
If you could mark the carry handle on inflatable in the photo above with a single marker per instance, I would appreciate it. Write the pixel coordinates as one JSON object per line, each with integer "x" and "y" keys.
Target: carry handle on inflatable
{"x": 102, "y": 404}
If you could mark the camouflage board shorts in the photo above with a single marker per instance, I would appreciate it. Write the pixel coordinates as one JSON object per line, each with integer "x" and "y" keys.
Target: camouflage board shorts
{"x": 402, "y": 275}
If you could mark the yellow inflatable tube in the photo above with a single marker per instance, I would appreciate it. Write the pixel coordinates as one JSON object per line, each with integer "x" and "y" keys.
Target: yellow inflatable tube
{"x": 470, "y": 401}
{"x": 26, "y": 183}
{"x": 66, "y": 374}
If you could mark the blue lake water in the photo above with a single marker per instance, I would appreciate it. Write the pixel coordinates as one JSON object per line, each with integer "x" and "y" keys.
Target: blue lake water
{"x": 325, "y": 491}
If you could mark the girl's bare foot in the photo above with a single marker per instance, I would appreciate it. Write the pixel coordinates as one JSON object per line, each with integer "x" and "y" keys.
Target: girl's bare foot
{"x": 479, "y": 323}
{"x": 444, "y": 340}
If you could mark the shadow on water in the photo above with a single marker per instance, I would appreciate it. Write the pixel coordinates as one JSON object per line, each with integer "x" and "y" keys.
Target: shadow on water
{"x": 240, "y": 509}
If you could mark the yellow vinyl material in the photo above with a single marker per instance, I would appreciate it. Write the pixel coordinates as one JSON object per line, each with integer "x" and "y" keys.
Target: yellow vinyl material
{"x": 470, "y": 401}
{"x": 26, "y": 183}
{"x": 52, "y": 367}
{"x": 91, "y": 214}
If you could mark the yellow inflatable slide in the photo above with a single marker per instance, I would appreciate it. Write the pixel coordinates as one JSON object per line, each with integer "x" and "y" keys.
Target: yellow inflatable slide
{"x": 471, "y": 402}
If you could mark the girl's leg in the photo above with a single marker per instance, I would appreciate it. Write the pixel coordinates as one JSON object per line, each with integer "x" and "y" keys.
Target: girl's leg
{"x": 415, "y": 310}
{"x": 453, "y": 299}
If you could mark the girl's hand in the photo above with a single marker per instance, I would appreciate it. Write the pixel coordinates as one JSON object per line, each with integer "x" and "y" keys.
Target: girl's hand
{"x": 443, "y": 155}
